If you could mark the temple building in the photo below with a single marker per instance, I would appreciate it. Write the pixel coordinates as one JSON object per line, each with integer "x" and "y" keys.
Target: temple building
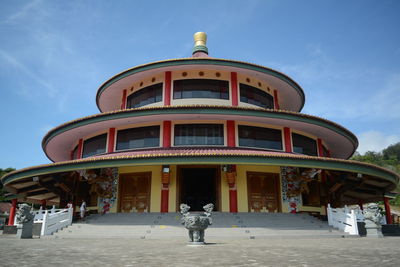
{"x": 200, "y": 130}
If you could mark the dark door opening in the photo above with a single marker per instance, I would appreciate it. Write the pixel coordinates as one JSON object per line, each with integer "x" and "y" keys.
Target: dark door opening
{"x": 198, "y": 187}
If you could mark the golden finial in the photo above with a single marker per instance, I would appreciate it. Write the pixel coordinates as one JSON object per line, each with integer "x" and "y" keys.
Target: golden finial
{"x": 200, "y": 38}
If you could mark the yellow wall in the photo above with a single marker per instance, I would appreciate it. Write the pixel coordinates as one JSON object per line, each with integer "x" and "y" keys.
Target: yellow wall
{"x": 155, "y": 192}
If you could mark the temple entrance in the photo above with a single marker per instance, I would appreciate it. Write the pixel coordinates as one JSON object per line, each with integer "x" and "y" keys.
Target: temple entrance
{"x": 263, "y": 192}
{"x": 198, "y": 187}
{"x": 134, "y": 192}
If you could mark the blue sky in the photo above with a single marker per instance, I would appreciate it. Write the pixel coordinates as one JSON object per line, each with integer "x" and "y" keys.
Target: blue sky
{"x": 55, "y": 54}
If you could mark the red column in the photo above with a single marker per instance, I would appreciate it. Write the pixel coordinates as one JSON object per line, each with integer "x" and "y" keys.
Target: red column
{"x": 320, "y": 148}
{"x": 44, "y": 204}
{"x": 166, "y": 134}
{"x": 71, "y": 155}
{"x": 80, "y": 149}
{"x": 234, "y": 86}
{"x": 12, "y": 212}
{"x": 164, "y": 197}
{"x": 276, "y": 99}
{"x": 388, "y": 212}
{"x": 233, "y": 198}
{"x": 167, "y": 84}
{"x": 288, "y": 139}
{"x": 111, "y": 140}
{"x": 230, "y": 129}
{"x": 123, "y": 101}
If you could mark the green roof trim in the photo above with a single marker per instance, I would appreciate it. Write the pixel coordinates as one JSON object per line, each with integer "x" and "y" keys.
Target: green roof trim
{"x": 201, "y": 61}
{"x": 129, "y": 113}
{"x": 289, "y": 160}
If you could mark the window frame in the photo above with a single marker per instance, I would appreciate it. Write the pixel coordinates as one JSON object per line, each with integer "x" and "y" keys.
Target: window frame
{"x": 223, "y": 84}
{"x": 260, "y": 127}
{"x": 93, "y": 139}
{"x": 258, "y": 91}
{"x": 156, "y": 86}
{"x": 223, "y": 132}
{"x": 137, "y": 148}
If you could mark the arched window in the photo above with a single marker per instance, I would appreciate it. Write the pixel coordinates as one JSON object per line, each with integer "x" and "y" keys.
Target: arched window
{"x": 201, "y": 88}
{"x": 145, "y": 96}
{"x": 255, "y": 96}
{"x": 250, "y": 136}
{"x": 304, "y": 145}
{"x": 140, "y": 137}
{"x": 199, "y": 134}
{"x": 94, "y": 146}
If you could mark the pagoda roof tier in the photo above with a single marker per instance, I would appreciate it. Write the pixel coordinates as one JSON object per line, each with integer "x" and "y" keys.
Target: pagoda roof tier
{"x": 360, "y": 177}
{"x": 58, "y": 142}
{"x": 109, "y": 94}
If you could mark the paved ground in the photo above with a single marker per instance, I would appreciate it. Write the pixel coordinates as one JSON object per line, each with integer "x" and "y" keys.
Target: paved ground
{"x": 261, "y": 252}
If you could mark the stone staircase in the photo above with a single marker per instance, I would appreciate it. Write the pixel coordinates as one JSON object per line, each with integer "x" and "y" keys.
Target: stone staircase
{"x": 225, "y": 226}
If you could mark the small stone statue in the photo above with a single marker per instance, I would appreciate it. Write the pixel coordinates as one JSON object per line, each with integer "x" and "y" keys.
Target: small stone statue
{"x": 24, "y": 219}
{"x": 196, "y": 223}
{"x": 373, "y": 216}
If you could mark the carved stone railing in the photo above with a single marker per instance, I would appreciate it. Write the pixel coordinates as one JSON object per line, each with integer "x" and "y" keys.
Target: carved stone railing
{"x": 53, "y": 220}
{"x": 345, "y": 219}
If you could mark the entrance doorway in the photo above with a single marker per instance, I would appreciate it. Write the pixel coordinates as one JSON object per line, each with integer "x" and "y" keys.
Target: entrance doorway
{"x": 134, "y": 192}
{"x": 198, "y": 187}
{"x": 263, "y": 192}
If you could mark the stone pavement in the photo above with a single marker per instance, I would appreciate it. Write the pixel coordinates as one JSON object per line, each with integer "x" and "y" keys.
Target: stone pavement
{"x": 176, "y": 252}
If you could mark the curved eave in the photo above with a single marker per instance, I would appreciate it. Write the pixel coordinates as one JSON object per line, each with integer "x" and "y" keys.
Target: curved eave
{"x": 344, "y": 143}
{"x": 198, "y": 157}
{"x": 232, "y": 65}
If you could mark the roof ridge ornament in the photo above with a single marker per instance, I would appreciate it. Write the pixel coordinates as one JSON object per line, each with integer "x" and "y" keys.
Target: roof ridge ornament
{"x": 200, "y": 48}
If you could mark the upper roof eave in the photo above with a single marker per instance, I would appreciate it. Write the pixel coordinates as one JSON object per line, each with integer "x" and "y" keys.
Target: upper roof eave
{"x": 204, "y": 109}
{"x": 201, "y": 61}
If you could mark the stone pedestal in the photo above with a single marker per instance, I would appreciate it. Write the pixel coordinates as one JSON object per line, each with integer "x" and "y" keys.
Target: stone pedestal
{"x": 373, "y": 230}
{"x": 25, "y": 230}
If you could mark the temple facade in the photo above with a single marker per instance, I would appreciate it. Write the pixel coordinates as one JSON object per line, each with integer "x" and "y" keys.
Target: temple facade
{"x": 200, "y": 130}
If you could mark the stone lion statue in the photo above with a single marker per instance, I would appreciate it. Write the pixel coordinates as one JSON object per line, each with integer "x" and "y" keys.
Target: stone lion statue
{"x": 373, "y": 213}
{"x": 24, "y": 214}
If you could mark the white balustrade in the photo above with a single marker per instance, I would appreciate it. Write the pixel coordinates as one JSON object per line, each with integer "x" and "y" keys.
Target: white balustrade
{"x": 53, "y": 220}
{"x": 345, "y": 219}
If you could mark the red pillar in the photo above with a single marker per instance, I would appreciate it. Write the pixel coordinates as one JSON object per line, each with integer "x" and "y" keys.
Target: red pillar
{"x": 233, "y": 198}
{"x": 123, "y": 101}
{"x": 231, "y": 137}
{"x": 80, "y": 149}
{"x": 276, "y": 100}
{"x": 12, "y": 212}
{"x": 288, "y": 139}
{"x": 166, "y": 134}
{"x": 167, "y": 84}
{"x": 234, "y": 86}
{"x": 111, "y": 140}
{"x": 388, "y": 212}
{"x": 44, "y": 204}
{"x": 164, "y": 197}
{"x": 320, "y": 148}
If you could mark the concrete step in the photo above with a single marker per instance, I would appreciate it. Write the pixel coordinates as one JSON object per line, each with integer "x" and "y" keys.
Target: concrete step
{"x": 225, "y": 225}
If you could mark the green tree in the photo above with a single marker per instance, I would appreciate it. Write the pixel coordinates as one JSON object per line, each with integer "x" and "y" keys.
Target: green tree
{"x": 2, "y": 190}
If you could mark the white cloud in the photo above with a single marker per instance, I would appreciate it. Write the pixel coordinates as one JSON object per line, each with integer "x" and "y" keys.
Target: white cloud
{"x": 375, "y": 141}
{"x": 23, "y": 12}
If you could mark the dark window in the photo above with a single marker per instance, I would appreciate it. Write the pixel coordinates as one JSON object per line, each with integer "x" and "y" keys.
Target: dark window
{"x": 260, "y": 137}
{"x": 255, "y": 96}
{"x": 145, "y": 96}
{"x": 138, "y": 137}
{"x": 75, "y": 153}
{"x": 201, "y": 88}
{"x": 304, "y": 145}
{"x": 94, "y": 146}
{"x": 199, "y": 134}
